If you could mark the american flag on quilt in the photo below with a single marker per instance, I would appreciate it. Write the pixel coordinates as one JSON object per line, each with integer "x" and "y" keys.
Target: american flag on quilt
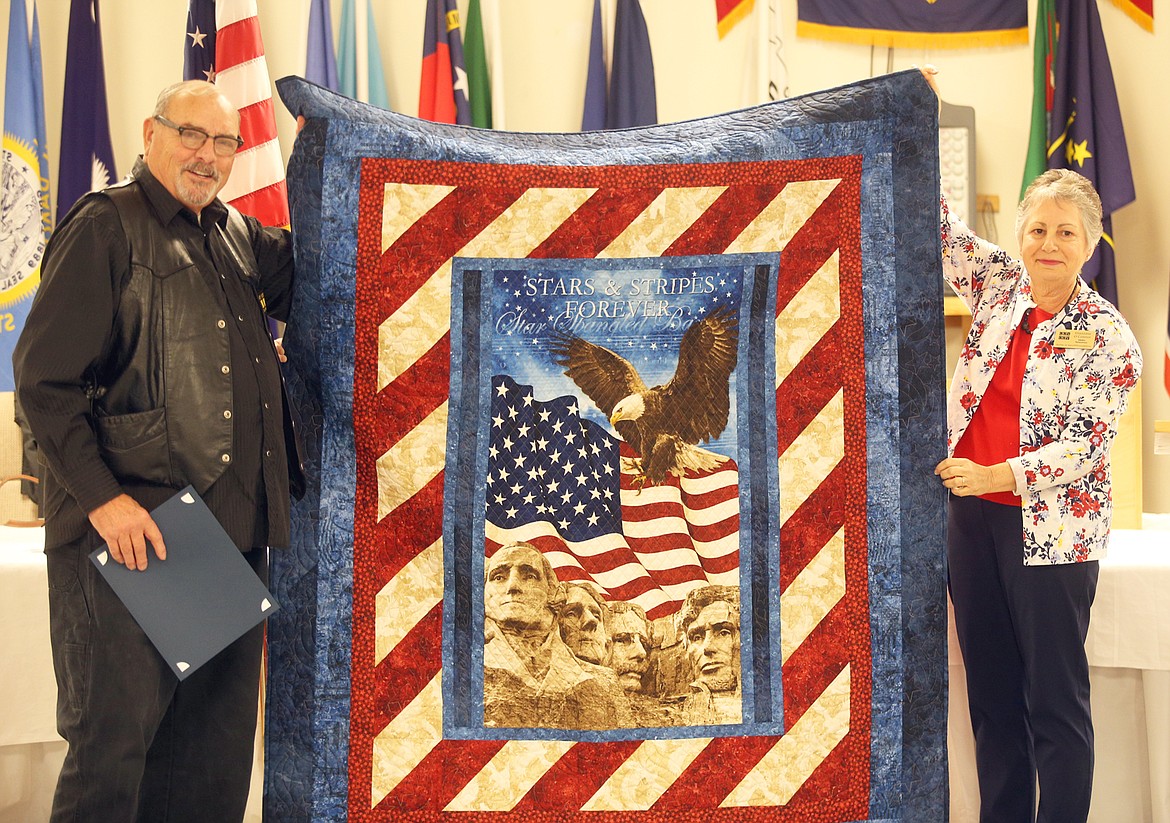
{"x": 684, "y": 367}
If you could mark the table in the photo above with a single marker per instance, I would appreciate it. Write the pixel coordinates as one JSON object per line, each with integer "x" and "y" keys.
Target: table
{"x": 1129, "y": 672}
{"x": 31, "y": 752}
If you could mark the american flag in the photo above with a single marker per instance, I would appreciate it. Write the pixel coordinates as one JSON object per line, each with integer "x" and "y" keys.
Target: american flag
{"x": 223, "y": 45}
{"x": 567, "y": 486}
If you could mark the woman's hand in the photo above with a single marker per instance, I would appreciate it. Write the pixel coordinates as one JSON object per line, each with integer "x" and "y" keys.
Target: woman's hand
{"x": 930, "y": 73}
{"x": 966, "y": 478}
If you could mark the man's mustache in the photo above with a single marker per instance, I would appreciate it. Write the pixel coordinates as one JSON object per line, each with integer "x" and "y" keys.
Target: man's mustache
{"x": 205, "y": 169}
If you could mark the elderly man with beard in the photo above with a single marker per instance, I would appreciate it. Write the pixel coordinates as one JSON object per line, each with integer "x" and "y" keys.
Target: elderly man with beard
{"x": 145, "y": 365}
{"x": 531, "y": 678}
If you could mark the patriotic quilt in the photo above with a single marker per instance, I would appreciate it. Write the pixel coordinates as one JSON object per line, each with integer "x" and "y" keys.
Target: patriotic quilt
{"x": 621, "y": 445}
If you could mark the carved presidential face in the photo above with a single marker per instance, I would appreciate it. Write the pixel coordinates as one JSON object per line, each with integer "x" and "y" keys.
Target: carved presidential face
{"x": 583, "y": 626}
{"x": 629, "y": 650}
{"x": 712, "y": 643}
{"x": 516, "y": 591}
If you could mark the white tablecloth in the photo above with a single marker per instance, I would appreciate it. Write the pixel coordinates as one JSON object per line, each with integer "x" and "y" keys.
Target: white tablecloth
{"x": 31, "y": 752}
{"x": 1129, "y": 658}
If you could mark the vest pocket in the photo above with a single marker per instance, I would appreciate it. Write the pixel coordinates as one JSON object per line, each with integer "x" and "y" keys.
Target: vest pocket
{"x": 134, "y": 445}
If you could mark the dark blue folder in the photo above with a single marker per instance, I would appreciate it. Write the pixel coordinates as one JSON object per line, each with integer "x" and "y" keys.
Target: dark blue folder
{"x": 201, "y": 598}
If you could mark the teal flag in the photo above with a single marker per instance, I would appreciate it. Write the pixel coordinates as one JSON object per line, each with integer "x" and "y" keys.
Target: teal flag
{"x": 25, "y": 217}
{"x": 354, "y": 53}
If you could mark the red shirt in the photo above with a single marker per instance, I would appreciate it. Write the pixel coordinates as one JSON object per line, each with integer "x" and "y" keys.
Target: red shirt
{"x": 993, "y": 434}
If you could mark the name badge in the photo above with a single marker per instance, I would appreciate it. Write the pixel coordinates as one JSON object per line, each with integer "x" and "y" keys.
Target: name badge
{"x": 1074, "y": 339}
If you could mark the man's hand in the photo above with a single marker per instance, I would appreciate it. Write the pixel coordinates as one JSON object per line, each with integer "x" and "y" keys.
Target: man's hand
{"x": 126, "y": 527}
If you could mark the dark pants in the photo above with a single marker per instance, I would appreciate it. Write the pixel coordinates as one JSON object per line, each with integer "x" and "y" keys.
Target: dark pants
{"x": 144, "y": 746}
{"x": 1022, "y": 631}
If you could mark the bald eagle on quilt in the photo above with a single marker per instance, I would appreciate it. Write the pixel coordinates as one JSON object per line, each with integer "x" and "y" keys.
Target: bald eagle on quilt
{"x": 621, "y": 445}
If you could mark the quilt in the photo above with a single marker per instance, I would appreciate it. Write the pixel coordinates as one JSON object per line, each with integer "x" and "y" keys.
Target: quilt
{"x": 621, "y": 503}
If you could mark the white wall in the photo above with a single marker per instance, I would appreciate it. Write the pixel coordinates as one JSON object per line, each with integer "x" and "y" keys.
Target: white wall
{"x": 544, "y": 49}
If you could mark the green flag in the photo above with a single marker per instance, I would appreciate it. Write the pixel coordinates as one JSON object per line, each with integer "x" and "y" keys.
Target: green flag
{"x": 1036, "y": 161}
{"x": 474, "y": 55}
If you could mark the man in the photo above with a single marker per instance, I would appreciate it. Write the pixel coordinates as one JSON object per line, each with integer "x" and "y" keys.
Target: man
{"x": 583, "y": 622}
{"x": 145, "y": 365}
{"x": 629, "y": 645}
{"x": 531, "y": 678}
{"x": 709, "y": 620}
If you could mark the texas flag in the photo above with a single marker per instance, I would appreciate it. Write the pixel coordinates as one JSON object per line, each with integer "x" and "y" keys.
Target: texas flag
{"x": 443, "y": 91}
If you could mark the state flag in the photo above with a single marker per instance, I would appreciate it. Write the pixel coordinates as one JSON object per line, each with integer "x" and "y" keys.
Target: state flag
{"x": 1140, "y": 11}
{"x": 443, "y": 89}
{"x": 87, "y": 153}
{"x": 900, "y": 24}
{"x": 593, "y": 116}
{"x": 730, "y": 12}
{"x": 25, "y": 215}
{"x": 632, "y": 96}
{"x": 1084, "y": 130}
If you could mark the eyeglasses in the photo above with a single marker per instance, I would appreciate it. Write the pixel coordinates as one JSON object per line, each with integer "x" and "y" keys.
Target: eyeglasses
{"x": 193, "y": 138}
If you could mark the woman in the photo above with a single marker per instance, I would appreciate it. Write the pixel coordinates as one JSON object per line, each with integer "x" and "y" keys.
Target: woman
{"x": 1037, "y": 394}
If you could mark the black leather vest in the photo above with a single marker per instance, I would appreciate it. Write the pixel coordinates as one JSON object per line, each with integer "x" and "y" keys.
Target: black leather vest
{"x": 158, "y": 404}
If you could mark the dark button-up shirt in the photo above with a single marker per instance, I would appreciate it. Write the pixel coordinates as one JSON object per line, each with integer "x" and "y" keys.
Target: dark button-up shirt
{"x": 74, "y": 313}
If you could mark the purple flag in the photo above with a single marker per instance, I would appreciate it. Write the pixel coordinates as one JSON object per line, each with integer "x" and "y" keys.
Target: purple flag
{"x": 87, "y": 154}
{"x": 632, "y": 97}
{"x": 1084, "y": 131}
{"x": 320, "y": 59}
{"x": 903, "y": 24}
{"x": 593, "y": 118}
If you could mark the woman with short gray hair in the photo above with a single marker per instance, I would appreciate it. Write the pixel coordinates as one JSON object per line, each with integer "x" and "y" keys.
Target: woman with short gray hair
{"x": 1040, "y": 386}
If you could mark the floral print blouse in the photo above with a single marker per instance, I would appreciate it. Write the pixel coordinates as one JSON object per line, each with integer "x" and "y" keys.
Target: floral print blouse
{"x": 1070, "y": 402}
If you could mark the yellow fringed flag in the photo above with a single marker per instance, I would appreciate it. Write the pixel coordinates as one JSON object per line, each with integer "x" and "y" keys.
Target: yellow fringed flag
{"x": 902, "y": 24}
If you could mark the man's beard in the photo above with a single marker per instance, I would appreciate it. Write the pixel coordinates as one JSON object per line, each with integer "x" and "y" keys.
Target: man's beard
{"x": 198, "y": 194}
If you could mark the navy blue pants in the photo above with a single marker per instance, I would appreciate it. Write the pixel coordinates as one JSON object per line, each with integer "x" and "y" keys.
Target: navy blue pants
{"x": 144, "y": 746}
{"x": 1022, "y": 631}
